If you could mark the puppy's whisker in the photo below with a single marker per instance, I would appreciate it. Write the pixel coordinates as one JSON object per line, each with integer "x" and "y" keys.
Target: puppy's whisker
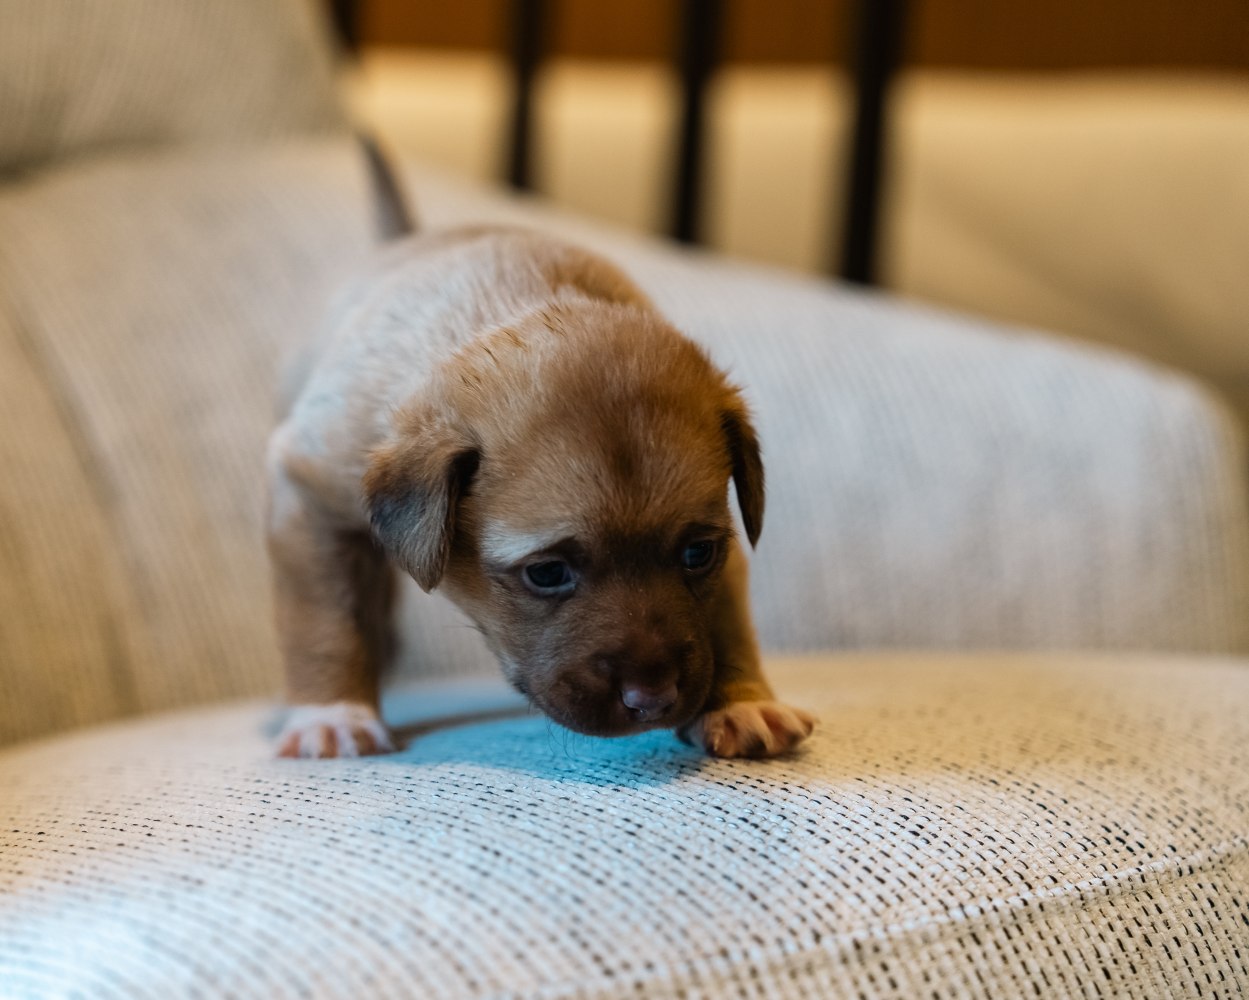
{"x": 550, "y": 736}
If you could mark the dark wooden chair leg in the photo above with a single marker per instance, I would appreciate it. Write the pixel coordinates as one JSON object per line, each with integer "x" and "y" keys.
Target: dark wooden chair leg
{"x": 528, "y": 38}
{"x": 879, "y": 36}
{"x": 701, "y": 30}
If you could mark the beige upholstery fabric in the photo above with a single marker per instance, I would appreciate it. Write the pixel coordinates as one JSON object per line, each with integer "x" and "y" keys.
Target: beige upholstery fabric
{"x": 932, "y": 483}
{"x": 144, "y": 305}
{"x": 83, "y": 75}
{"x": 971, "y": 827}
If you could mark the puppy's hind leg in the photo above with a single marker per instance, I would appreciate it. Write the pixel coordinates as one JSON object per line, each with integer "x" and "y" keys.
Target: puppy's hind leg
{"x": 742, "y": 717}
{"x": 333, "y": 592}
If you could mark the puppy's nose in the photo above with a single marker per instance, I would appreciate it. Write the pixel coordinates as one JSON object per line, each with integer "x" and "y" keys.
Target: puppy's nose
{"x": 647, "y": 704}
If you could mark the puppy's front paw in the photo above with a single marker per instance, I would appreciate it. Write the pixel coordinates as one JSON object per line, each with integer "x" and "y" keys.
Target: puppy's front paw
{"x": 343, "y": 729}
{"x": 750, "y": 729}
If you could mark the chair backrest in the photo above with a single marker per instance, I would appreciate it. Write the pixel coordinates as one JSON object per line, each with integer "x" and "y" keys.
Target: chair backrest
{"x": 78, "y": 79}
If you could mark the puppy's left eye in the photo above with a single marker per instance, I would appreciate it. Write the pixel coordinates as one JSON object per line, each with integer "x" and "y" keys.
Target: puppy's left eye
{"x": 549, "y": 579}
{"x": 698, "y": 556}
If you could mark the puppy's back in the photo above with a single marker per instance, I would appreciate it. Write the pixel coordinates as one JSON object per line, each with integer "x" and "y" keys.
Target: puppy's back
{"x": 422, "y": 300}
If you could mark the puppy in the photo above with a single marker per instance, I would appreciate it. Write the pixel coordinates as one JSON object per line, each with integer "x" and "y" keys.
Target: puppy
{"x": 507, "y": 418}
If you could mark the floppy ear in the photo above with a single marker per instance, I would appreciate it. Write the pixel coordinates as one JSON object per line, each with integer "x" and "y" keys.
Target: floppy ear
{"x": 747, "y": 466}
{"x": 412, "y": 488}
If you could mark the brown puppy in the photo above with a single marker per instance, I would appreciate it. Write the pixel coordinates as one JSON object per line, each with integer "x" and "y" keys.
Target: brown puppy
{"x": 506, "y": 418}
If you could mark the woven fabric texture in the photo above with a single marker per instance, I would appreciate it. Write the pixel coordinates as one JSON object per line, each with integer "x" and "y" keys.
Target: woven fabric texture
{"x": 931, "y": 482}
{"x": 144, "y": 309}
{"x": 81, "y": 76}
{"x": 971, "y": 827}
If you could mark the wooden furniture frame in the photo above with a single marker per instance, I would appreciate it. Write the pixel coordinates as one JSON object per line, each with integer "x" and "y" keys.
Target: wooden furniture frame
{"x": 879, "y": 31}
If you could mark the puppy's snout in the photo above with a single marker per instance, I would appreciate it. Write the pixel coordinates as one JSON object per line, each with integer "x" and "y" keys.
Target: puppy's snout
{"x": 644, "y": 679}
{"x": 646, "y": 703}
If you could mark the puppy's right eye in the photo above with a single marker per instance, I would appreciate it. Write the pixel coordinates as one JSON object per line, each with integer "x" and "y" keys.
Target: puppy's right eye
{"x": 549, "y": 579}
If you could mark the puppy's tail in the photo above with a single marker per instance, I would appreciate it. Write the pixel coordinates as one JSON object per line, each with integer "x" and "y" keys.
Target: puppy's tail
{"x": 394, "y": 215}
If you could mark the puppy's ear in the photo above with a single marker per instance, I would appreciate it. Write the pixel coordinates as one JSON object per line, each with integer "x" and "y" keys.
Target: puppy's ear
{"x": 412, "y": 488}
{"x": 747, "y": 465}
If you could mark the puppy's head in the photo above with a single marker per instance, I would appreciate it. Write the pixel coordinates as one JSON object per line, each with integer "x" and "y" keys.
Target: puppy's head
{"x": 566, "y": 483}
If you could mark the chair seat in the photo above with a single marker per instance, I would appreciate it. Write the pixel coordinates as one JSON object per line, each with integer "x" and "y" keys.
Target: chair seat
{"x": 971, "y": 826}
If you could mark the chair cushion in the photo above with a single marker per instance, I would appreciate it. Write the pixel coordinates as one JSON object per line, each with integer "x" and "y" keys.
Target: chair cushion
{"x": 959, "y": 826}
{"x": 77, "y": 76}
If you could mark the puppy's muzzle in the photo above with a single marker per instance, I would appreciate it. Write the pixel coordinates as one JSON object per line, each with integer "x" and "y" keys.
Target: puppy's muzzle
{"x": 646, "y": 676}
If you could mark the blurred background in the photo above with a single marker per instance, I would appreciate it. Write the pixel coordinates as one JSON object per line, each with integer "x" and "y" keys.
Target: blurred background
{"x": 1081, "y": 167}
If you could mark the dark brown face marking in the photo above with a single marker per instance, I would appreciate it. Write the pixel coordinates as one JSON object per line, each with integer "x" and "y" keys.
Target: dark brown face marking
{"x": 628, "y": 648}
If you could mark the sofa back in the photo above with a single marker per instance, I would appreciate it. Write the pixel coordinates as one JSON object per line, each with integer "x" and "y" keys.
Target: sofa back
{"x": 78, "y": 76}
